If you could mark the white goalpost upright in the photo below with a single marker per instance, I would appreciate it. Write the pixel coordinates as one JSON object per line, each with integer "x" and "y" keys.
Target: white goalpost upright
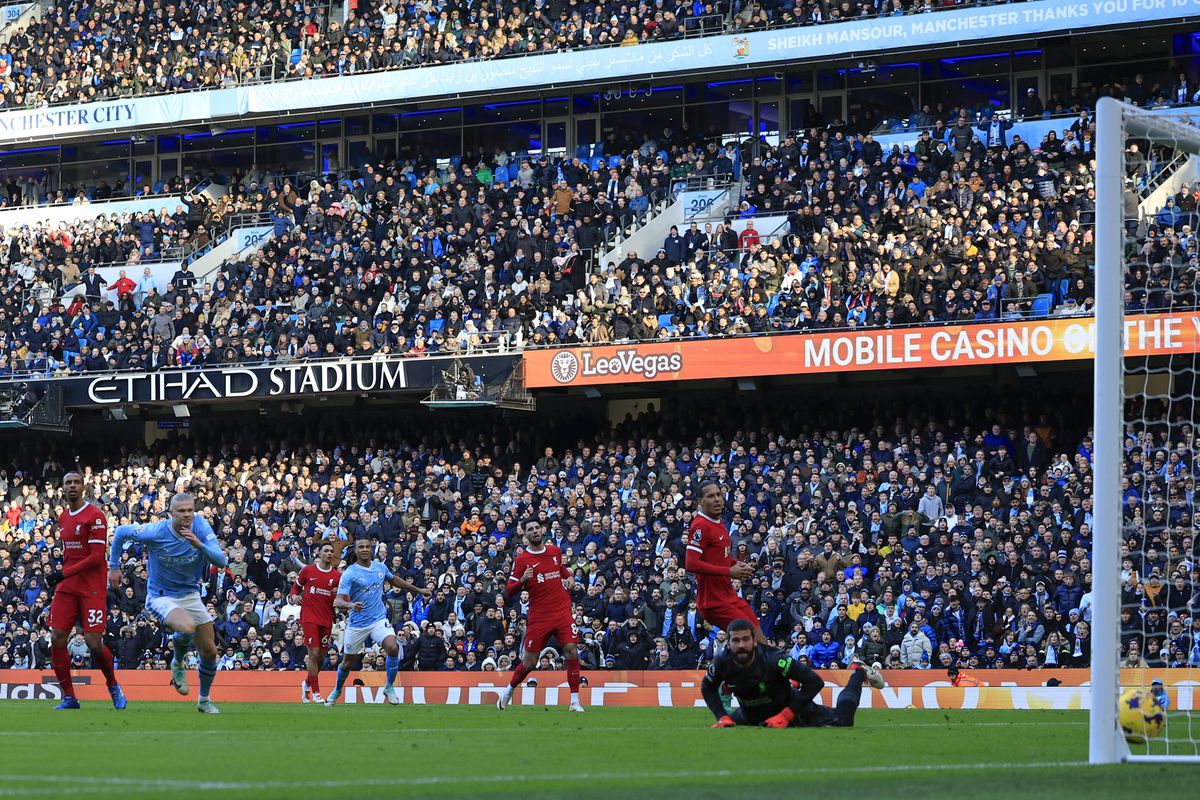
{"x": 1145, "y": 409}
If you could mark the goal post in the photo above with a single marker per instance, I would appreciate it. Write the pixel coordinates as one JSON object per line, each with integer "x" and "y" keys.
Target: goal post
{"x": 1152, "y": 401}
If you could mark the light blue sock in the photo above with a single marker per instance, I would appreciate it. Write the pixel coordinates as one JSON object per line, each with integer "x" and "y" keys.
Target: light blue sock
{"x": 181, "y": 641}
{"x": 393, "y": 666}
{"x": 208, "y": 671}
{"x": 343, "y": 674}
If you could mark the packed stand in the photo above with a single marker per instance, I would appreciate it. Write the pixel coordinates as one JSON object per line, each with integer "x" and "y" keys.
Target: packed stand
{"x": 411, "y": 257}
{"x": 897, "y": 537}
{"x": 88, "y": 50}
{"x": 496, "y": 251}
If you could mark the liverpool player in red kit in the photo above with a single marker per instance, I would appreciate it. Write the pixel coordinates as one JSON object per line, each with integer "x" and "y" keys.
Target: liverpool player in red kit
{"x": 715, "y": 570}
{"x": 81, "y": 593}
{"x": 317, "y": 584}
{"x": 539, "y": 569}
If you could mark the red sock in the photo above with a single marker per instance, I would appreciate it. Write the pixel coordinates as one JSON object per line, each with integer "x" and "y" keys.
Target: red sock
{"x": 104, "y": 662}
{"x": 518, "y": 675}
{"x": 573, "y": 674}
{"x": 61, "y": 662}
{"x": 314, "y": 683}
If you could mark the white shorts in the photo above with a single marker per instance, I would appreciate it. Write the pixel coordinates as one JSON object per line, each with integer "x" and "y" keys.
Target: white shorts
{"x": 162, "y": 606}
{"x": 355, "y": 639}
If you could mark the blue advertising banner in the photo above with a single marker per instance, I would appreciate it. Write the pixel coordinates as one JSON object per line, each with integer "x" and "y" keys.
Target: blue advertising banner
{"x": 880, "y": 35}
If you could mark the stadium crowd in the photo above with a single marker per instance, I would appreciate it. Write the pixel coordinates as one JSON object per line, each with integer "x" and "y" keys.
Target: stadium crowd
{"x": 413, "y": 257}
{"x": 909, "y": 534}
{"x": 88, "y": 50}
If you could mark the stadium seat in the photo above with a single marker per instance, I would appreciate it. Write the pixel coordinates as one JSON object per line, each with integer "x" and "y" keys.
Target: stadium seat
{"x": 1042, "y": 305}
{"x": 598, "y": 162}
{"x": 614, "y": 161}
{"x": 665, "y": 321}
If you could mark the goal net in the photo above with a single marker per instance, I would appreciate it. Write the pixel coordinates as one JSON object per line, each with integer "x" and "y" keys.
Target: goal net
{"x": 1145, "y": 635}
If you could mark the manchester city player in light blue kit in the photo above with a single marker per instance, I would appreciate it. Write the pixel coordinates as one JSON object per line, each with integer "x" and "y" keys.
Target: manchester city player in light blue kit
{"x": 361, "y": 591}
{"x": 180, "y": 549}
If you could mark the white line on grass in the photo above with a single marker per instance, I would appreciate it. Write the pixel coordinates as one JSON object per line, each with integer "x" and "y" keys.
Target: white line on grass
{"x": 576, "y": 728}
{"x": 151, "y": 785}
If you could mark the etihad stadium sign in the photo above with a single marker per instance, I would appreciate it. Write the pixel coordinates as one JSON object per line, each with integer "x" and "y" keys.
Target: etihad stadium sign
{"x": 264, "y": 381}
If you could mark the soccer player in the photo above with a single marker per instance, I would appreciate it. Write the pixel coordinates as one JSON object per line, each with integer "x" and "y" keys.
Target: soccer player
{"x": 180, "y": 548}
{"x": 540, "y": 570}
{"x": 715, "y": 570}
{"x": 761, "y": 678}
{"x": 317, "y": 584}
{"x": 80, "y": 594}
{"x": 361, "y": 591}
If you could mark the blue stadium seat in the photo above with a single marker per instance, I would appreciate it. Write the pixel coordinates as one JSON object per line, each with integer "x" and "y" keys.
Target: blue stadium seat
{"x": 664, "y": 321}
{"x": 582, "y": 151}
{"x": 664, "y": 156}
{"x": 614, "y": 161}
{"x": 598, "y": 149}
{"x": 598, "y": 162}
{"x": 436, "y": 325}
{"x": 1042, "y": 305}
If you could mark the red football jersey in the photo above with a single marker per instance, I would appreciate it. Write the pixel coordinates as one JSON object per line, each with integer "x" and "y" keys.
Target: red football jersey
{"x": 84, "y": 538}
{"x": 710, "y": 538}
{"x": 548, "y": 595}
{"x": 319, "y": 588}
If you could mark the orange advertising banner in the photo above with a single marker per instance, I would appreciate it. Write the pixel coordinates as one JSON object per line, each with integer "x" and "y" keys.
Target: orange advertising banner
{"x": 1002, "y": 689}
{"x": 1058, "y": 339}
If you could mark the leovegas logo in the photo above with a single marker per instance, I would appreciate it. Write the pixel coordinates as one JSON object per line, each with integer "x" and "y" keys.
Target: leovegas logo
{"x": 566, "y": 366}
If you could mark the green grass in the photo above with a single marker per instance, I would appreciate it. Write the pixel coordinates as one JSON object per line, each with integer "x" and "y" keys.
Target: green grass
{"x": 263, "y": 751}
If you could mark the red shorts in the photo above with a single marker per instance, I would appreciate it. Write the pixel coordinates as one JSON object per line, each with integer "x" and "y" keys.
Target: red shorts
{"x": 67, "y": 608}
{"x": 538, "y": 632}
{"x": 726, "y": 611}
{"x": 316, "y": 635}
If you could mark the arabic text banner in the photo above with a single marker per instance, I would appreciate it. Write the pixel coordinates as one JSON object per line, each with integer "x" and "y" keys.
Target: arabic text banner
{"x": 1003, "y": 689}
{"x": 918, "y": 31}
{"x": 1063, "y": 339}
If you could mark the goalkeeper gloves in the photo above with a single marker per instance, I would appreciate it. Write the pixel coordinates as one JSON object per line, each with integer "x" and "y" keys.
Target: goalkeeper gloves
{"x": 724, "y": 722}
{"x": 782, "y": 719}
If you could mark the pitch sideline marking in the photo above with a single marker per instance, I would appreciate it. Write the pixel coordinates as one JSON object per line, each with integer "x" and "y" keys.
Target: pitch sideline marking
{"x": 151, "y": 785}
{"x": 485, "y": 730}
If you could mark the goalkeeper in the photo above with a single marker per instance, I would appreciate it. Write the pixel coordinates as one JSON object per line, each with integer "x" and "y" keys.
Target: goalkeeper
{"x": 773, "y": 690}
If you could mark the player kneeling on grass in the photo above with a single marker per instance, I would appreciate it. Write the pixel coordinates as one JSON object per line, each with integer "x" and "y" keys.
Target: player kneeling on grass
{"x": 761, "y": 678}
{"x": 360, "y": 591}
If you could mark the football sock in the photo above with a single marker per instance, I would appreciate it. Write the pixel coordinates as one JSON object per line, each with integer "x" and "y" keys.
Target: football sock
{"x": 573, "y": 678}
{"x": 208, "y": 671}
{"x": 343, "y": 674}
{"x": 104, "y": 663}
{"x": 314, "y": 683}
{"x": 61, "y": 661}
{"x": 519, "y": 675}
{"x": 849, "y": 698}
{"x": 181, "y": 641}
{"x": 393, "y": 666}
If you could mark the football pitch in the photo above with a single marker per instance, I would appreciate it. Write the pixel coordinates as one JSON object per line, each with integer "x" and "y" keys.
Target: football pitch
{"x": 266, "y": 751}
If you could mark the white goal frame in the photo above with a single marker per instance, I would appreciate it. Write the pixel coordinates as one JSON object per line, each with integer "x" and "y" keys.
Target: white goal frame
{"x": 1115, "y": 122}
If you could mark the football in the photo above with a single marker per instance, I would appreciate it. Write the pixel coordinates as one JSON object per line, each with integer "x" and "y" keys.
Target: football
{"x": 1141, "y": 715}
